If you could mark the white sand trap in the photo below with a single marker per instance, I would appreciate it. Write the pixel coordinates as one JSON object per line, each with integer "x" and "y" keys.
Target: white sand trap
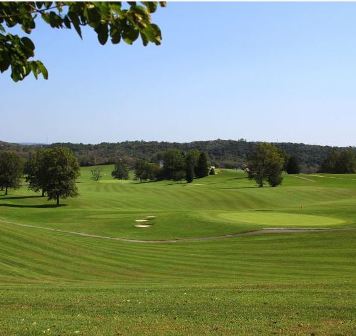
{"x": 141, "y": 220}
{"x": 198, "y": 183}
{"x": 143, "y": 225}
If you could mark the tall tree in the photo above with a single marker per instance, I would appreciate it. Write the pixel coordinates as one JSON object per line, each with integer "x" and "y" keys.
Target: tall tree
{"x": 292, "y": 166}
{"x": 189, "y": 170}
{"x": 35, "y": 172}
{"x": 202, "y": 169}
{"x": 191, "y": 161}
{"x": 11, "y": 169}
{"x": 174, "y": 165}
{"x": 118, "y": 21}
{"x": 62, "y": 170}
{"x": 266, "y": 164}
{"x": 121, "y": 171}
{"x": 145, "y": 170}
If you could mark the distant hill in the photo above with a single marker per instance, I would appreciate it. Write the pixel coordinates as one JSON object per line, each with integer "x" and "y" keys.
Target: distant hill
{"x": 222, "y": 153}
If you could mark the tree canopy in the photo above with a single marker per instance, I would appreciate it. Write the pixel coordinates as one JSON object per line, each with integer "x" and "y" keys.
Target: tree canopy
{"x": 120, "y": 171}
{"x": 119, "y": 21}
{"x": 35, "y": 169}
{"x": 174, "y": 165}
{"x": 339, "y": 162}
{"x": 292, "y": 165}
{"x": 266, "y": 164}
{"x": 10, "y": 170}
{"x": 62, "y": 170}
{"x": 202, "y": 168}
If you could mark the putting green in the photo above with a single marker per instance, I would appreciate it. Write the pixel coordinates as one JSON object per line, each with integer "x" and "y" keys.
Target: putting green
{"x": 279, "y": 219}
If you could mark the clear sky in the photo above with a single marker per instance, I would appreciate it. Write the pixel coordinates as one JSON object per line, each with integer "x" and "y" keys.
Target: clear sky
{"x": 271, "y": 72}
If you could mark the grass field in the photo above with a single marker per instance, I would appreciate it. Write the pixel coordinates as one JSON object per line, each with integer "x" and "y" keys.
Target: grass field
{"x": 59, "y": 283}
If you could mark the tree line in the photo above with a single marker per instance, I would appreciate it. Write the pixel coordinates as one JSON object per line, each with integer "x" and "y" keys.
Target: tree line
{"x": 221, "y": 153}
{"x": 172, "y": 165}
{"x": 53, "y": 171}
{"x": 339, "y": 162}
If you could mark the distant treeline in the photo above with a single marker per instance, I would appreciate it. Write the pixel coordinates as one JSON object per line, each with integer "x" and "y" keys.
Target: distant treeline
{"x": 221, "y": 153}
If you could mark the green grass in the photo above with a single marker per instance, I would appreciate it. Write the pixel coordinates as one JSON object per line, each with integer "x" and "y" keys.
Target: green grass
{"x": 57, "y": 283}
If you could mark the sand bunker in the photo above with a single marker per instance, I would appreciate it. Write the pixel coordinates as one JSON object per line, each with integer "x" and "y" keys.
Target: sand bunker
{"x": 143, "y": 225}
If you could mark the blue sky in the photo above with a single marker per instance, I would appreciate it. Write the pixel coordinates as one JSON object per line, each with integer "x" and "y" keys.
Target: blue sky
{"x": 260, "y": 71}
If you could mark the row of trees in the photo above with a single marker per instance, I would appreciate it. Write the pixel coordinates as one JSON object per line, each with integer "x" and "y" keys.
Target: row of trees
{"x": 221, "y": 153}
{"x": 265, "y": 164}
{"x": 175, "y": 165}
{"x": 53, "y": 171}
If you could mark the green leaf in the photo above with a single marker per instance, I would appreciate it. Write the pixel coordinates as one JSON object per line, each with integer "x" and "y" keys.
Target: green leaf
{"x": 34, "y": 69}
{"x": 45, "y": 17}
{"x": 75, "y": 21}
{"x": 28, "y": 43}
{"x": 93, "y": 15}
{"x": 42, "y": 69}
{"x": 144, "y": 38}
{"x": 66, "y": 22}
{"x": 151, "y": 6}
{"x": 153, "y": 34}
{"x": 103, "y": 33}
{"x": 115, "y": 35}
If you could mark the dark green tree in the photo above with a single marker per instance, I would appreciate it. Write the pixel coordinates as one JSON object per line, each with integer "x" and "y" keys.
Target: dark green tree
{"x": 292, "y": 166}
{"x": 346, "y": 162}
{"x": 266, "y": 163}
{"x": 202, "y": 169}
{"x": 193, "y": 156}
{"x": 339, "y": 162}
{"x": 11, "y": 169}
{"x": 35, "y": 172}
{"x": 174, "y": 166}
{"x": 121, "y": 171}
{"x": 117, "y": 21}
{"x": 191, "y": 161}
{"x": 145, "y": 170}
{"x": 61, "y": 172}
{"x": 330, "y": 162}
{"x": 189, "y": 170}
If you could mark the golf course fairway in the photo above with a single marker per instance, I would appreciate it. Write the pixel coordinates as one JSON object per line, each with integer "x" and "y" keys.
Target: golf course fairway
{"x": 59, "y": 277}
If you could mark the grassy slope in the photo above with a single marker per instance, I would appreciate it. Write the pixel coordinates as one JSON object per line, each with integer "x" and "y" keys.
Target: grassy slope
{"x": 208, "y": 207}
{"x": 297, "y": 284}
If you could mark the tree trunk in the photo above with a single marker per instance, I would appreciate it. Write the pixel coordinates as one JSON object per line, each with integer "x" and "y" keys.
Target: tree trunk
{"x": 43, "y": 193}
{"x": 5, "y": 190}
{"x": 57, "y": 200}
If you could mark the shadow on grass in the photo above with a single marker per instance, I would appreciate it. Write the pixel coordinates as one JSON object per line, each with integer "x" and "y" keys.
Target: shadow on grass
{"x": 20, "y": 197}
{"x": 39, "y": 206}
{"x": 237, "y": 188}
